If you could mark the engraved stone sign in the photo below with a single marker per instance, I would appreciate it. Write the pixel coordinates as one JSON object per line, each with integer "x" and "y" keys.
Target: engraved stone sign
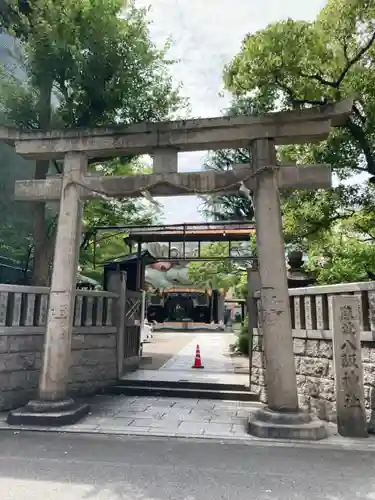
{"x": 89, "y": 311}
{"x": 78, "y": 310}
{"x": 297, "y": 313}
{"x": 108, "y": 321}
{"x": 17, "y": 304}
{"x": 30, "y": 307}
{"x": 99, "y": 311}
{"x": 308, "y": 313}
{"x": 351, "y": 415}
{"x": 43, "y": 310}
{"x": 3, "y": 308}
{"x": 319, "y": 312}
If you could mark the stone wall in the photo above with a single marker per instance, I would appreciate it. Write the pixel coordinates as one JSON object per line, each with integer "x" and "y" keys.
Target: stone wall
{"x": 313, "y": 349}
{"x": 315, "y": 375}
{"x": 93, "y": 365}
{"x": 23, "y": 313}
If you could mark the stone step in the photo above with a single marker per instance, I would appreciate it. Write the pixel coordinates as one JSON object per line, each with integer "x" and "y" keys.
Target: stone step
{"x": 184, "y": 384}
{"x": 181, "y": 392}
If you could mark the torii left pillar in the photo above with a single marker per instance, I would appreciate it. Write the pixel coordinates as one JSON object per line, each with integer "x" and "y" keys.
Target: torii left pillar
{"x": 53, "y": 406}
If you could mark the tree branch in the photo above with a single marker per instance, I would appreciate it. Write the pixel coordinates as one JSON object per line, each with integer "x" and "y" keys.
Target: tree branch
{"x": 321, "y": 225}
{"x": 359, "y": 227}
{"x": 294, "y": 100}
{"x": 319, "y": 79}
{"x": 357, "y": 112}
{"x": 350, "y": 62}
{"x": 355, "y": 59}
{"x": 360, "y": 136}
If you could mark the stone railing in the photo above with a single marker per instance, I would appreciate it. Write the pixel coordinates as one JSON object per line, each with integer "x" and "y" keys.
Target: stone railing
{"x": 311, "y": 309}
{"x": 23, "y": 316}
{"x": 24, "y": 308}
{"x": 311, "y": 312}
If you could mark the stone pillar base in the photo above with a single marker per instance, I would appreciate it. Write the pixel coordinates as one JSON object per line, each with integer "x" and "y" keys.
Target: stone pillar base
{"x": 266, "y": 423}
{"x": 48, "y": 413}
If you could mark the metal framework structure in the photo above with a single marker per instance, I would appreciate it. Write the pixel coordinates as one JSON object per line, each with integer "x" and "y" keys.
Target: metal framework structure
{"x": 202, "y": 232}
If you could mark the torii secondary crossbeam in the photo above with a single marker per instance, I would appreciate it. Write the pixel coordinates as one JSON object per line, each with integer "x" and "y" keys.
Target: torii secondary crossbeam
{"x": 164, "y": 141}
{"x": 173, "y": 184}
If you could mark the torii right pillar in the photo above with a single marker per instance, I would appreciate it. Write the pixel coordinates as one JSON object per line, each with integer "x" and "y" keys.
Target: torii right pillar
{"x": 282, "y": 417}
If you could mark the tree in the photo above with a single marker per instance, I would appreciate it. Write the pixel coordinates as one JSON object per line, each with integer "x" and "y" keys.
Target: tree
{"x": 109, "y": 244}
{"x": 231, "y": 206}
{"x": 341, "y": 256}
{"x": 215, "y": 274}
{"x": 100, "y": 68}
{"x": 296, "y": 64}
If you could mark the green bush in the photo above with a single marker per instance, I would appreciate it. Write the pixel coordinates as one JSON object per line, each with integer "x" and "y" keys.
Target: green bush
{"x": 242, "y": 341}
{"x": 243, "y": 344}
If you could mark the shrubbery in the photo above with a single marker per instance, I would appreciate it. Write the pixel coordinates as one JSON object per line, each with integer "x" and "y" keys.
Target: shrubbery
{"x": 242, "y": 342}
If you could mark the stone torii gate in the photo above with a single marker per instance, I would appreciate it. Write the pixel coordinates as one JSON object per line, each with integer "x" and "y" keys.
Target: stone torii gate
{"x": 163, "y": 141}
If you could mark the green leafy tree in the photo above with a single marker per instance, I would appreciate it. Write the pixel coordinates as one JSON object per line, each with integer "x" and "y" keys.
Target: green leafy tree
{"x": 215, "y": 274}
{"x": 308, "y": 216}
{"x": 231, "y": 206}
{"x": 296, "y": 64}
{"x": 109, "y": 244}
{"x": 88, "y": 63}
{"x": 341, "y": 256}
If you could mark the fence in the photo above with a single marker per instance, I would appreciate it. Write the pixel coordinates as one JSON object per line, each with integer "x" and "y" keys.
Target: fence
{"x": 311, "y": 313}
{"x": 133, "y": 322}
{"x": 23, "y": 317}
{"x": 24, "y": 308}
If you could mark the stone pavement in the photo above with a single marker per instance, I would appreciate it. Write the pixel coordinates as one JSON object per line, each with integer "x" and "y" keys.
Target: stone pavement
{"x": 210, "y": 420}
{"x": 219, "y": 365}
{"x": 120, "y": 414}
{"x": 160, "y": 417}
{"x": 163, "y": 346}
{"x": 214, "y": 349}
{"x": 172, "y": 417}
{"x": 189, "y": 376}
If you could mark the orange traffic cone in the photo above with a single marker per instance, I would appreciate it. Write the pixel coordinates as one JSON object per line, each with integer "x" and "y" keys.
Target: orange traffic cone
{"x": 197, "y": 359}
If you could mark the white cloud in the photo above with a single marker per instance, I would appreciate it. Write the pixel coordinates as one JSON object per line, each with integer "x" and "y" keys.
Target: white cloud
{"x": 206, "y": 35}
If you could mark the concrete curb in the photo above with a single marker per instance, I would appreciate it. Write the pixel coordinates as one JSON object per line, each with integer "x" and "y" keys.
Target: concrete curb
{"x": 332, "y": 443}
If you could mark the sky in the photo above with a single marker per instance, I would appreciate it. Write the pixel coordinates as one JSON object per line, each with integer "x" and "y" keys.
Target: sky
{"x": 206, "y": 34}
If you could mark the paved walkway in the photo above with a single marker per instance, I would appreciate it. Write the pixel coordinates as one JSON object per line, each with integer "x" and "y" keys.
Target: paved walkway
{"x": 160, "y": 417}
{"x": 219, "y": 365}
{"x": 119, "y": 414}
{"x": 163, "y": 347}
{"x": 180, "y": 418}
{"x": 184, "y": 418}
{"x": 172, "y": 417}
{"x": 214, "y": 349}
{"x": 189, "y": 376}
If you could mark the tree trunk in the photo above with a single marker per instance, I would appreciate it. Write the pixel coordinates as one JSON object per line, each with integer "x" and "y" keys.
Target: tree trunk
{"x": 42, "y": 244}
